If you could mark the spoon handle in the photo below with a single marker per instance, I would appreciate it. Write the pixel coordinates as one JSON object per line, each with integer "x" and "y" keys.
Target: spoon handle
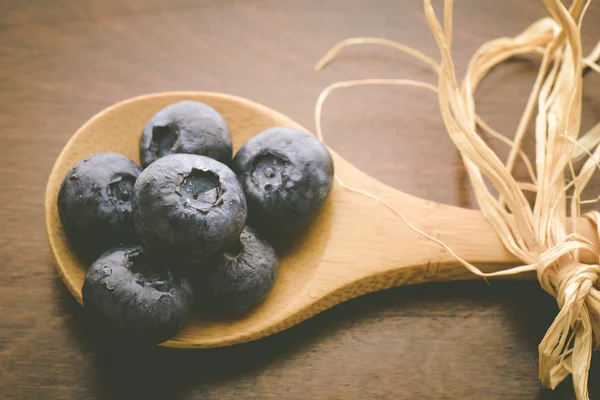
{"x": 370, "y": 248}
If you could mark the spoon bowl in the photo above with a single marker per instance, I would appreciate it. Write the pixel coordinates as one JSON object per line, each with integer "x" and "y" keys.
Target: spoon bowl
{"x": 356, "y": 245}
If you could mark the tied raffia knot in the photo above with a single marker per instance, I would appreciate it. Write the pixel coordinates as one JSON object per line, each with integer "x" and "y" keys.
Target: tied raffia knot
{"x": 567, "y": 346}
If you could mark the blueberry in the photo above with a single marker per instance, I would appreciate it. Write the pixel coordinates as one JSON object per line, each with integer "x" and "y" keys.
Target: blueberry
{"x": 241, "y": 278}
{"x": 186, "y": 127}
{"x": 287, "y": 175}
{"x": 141, "y": 299}
{"x": 94, "y": 203}
{"x": 188, "y": 207}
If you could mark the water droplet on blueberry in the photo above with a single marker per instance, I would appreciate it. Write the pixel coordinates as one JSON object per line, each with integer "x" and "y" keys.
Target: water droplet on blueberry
{"x": 269, "y": 173}
{"x": 202, "y": 189}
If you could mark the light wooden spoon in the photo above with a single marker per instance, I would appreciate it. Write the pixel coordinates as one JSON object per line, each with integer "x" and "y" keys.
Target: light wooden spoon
{"x": 355, "y": 247}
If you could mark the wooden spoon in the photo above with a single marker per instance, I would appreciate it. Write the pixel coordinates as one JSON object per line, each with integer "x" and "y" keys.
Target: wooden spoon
{"x": 355, "y": 247}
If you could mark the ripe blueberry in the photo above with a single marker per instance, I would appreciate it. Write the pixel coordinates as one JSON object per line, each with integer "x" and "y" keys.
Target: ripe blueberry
{"x": 241, "y": 278}
{"x": 94, "y": 203}
{"x": 186, "y": 127}
{"x": 287, "y": 175}
{"x": 188, "y": 207}
{"x": 142, "y": 300}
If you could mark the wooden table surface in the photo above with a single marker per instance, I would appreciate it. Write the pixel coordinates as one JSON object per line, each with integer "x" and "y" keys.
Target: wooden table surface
{"x": 62, "y": 61}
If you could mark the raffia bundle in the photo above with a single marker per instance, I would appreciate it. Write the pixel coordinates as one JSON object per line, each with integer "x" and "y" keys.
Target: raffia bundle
{"x": 537, "y": 234}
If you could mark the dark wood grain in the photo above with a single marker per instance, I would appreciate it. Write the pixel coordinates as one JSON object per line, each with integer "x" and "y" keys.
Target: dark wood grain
{"x": 61, "y": 61}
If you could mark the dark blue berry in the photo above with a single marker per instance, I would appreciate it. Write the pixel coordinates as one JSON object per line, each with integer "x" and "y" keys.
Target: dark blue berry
{"x": 188, "y": 207}
{"x": 129, "y": 291}
{"x": 241, "y": 278}
{"x": 94, "y": 203}
{"x": 287, "y": 176}
{"x": 186, "y": 127}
